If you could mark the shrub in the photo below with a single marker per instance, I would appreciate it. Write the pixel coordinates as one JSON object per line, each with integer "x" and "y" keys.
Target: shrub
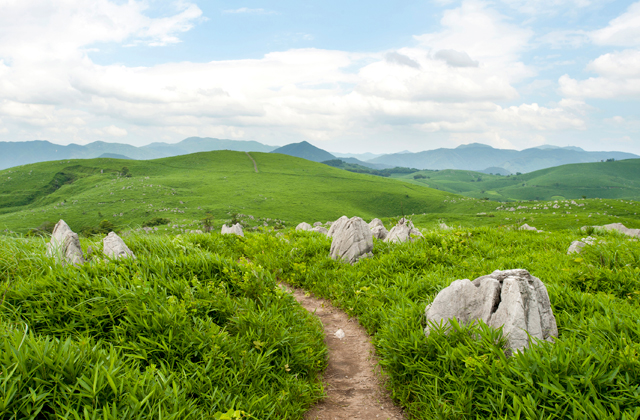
{"x": 156, "y": 221}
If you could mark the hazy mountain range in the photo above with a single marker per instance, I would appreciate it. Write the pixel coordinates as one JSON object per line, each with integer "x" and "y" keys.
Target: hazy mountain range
{"x": 475, "y": 156}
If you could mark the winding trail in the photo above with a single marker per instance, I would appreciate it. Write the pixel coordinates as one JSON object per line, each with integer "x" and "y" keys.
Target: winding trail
{"x": 352, "y": 378}
{"x": 255, "y": 165}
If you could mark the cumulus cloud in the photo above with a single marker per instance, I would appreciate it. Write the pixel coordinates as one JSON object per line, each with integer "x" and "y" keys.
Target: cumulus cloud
{"x": 623, "y": 31}
{"x": 450, "y": 82}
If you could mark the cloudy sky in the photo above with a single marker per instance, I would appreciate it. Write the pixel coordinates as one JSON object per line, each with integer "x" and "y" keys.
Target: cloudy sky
{"x": 348, "y": 76}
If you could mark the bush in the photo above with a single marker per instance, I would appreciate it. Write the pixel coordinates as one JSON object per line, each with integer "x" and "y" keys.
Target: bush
{"x": 156, "y": 221}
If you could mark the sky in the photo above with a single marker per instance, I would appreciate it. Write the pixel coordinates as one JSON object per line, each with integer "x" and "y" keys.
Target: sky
{"x": 347, "y": 76}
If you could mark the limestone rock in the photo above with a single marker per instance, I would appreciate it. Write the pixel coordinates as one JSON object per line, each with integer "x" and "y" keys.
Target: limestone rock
{"x": 512, "y": 299}
{"x": 115, "y": 248}
{"x": 620, "y": 228}
{"x": 65, "y": 245}
{"x": 353, "y": 241}
{"x": 402, "y": 232}
{"x": 316, "y": 224}
{"x": 320, "y": 229}
{"x": 337, "y": 225}
{"x": 576, "y": 247}
{"x": 233, "y": 230}
{"x": 303, "y": 226}
{"x": 375, "y": 222}
{"x": 443, "y": 226}
{"x": 379, "y": 232}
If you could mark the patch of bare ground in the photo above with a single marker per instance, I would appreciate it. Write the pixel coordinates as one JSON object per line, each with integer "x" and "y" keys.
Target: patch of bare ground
{"x": 352, "y": 379}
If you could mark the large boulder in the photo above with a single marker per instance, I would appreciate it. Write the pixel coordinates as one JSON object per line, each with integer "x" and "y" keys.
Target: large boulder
{"x": 576, "y": 247}
{"x": 304, "y": 226}
{"x": 337, "y": 225}
{"x": 65, "y": 245}
{"x": 512, "y": 299}
{"x": 115, "y": 248}
{"x": 403, "y": 231}
{"x": 379, "y": 232}
{"x": 233, "y": 230}
{"x": 353, "y": 241}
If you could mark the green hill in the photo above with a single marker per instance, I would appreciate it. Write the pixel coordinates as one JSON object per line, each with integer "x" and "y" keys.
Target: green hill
{"x": 184, "y": 188}
{"x": 618, "y": 179}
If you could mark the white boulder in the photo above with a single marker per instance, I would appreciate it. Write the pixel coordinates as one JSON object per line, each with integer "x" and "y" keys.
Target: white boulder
{"x": 303, "y": 226}
{"x": 375, "y": 222}
{"x": 352, "y": 241}
{"x": 65, "y": 245}
{"x": 337, "y": 225}
{"x": 115, "y": 248}
{"x": 379, "y": 232}
{"x": 620, "y": 228}
{"x": 512, "y": 299}
{"x": 233, "y": 230}
{"x": 402, "y": 232}
{"x": 320, "y": 229}
{"x": 576, "y": 247}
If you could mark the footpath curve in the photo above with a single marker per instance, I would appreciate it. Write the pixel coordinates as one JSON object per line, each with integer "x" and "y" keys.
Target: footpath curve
{"x": 255, "y": 165}
{"x": 352, "y": 379}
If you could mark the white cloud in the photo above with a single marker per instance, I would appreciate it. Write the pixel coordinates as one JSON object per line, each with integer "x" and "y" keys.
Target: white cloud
{"x": 619, "y": 77}
{"x": 114, "y": 131}
{"x": 623, "y": 31}
{"x": 249, "y": 11}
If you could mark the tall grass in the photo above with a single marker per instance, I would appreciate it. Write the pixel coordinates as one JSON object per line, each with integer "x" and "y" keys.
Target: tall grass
{"x": 180, "y": 332}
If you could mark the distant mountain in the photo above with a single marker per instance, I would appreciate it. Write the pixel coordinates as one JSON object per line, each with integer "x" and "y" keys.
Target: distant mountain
{"x": 113, "y": 156}
{"x": 24, "y": 152}
{"x": 360, "y": 156}
{"x": 365, "y": 163}
{"x": 494, "y": 170}
{"x": 478, "y": 157}
{"x": 305, "y": 150}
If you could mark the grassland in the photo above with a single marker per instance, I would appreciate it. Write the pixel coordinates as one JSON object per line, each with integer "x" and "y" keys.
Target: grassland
{"x": 184, "y": 188}
{"x": 612, "y": 180}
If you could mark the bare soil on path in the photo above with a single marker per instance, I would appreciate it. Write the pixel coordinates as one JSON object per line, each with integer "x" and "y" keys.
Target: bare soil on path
{"x": 255, "y": 165}
{"x": 352, "y": 379}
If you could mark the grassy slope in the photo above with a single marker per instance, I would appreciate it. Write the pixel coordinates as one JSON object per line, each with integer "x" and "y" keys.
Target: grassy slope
{"x": 222, "y": 182}
{"x": 603, "y": 180}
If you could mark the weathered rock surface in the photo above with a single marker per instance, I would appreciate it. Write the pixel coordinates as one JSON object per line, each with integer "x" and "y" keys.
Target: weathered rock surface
{"x": 620, "y": 228}
{"x": 512, "y": 299}
{"x": 443, "y": 226}
{"x": 337, "y": 225}
{"x": 352, "y": 241}
{"x": 375, "y": 222}
{"x": 402, "y": 232}
{"x": 379, "y": 232}
{"x": 316, "y": 224}
{"x": 320, "y": 229}
{"x": 233, "y": 230}
{"x": 576, "y": 247}
{"x": 65, "y": 245}
{"x": 115, "y": 248}
{"x": 303, "y": 226}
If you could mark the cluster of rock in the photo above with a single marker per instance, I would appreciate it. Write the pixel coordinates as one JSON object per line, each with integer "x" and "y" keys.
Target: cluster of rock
{"x": 512, "y": 299}
{"x": 65, "y": 247}
{"x": 317, "y": 227}
{"x": 527, "y": 227}
{"x": 403, "y": 231}
{"x": 618, "y": 227}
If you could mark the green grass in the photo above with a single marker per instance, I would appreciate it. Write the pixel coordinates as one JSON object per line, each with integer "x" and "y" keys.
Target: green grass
{"x": 185, "y": 331}
{"x": 612, "y": 180}
{"x": 184, "y": 188}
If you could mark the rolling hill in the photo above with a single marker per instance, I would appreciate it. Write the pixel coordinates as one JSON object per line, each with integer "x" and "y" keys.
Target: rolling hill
{"x": 479, "y": 157}
{"x": 618, "y": 179}
{"x": 84, "y": 192}
{"x": 22, "y": 153}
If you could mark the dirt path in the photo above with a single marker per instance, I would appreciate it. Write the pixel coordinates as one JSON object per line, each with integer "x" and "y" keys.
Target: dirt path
{"x": 255, "y": 165}
{"x": 352, "y": 378}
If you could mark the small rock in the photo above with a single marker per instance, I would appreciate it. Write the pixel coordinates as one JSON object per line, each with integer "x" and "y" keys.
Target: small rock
{"x": 115, "y": 248}
{"x": 339, "y": 334}
{"x": 576, "y": 247}
{"x": 402, "y": 232}
{"x": 380, "y": 232}
{"x": 65, "y": 245}
{"x": 320, "y": 229}
{"x": 303, "y": 226}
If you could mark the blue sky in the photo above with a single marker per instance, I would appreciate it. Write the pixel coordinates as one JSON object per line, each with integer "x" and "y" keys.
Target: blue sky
{"x": 347, "y": 76}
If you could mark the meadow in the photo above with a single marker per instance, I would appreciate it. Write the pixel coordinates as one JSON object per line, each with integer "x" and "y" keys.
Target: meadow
{"x": 197, "y": 327}
{"x": 608, "y": 180}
